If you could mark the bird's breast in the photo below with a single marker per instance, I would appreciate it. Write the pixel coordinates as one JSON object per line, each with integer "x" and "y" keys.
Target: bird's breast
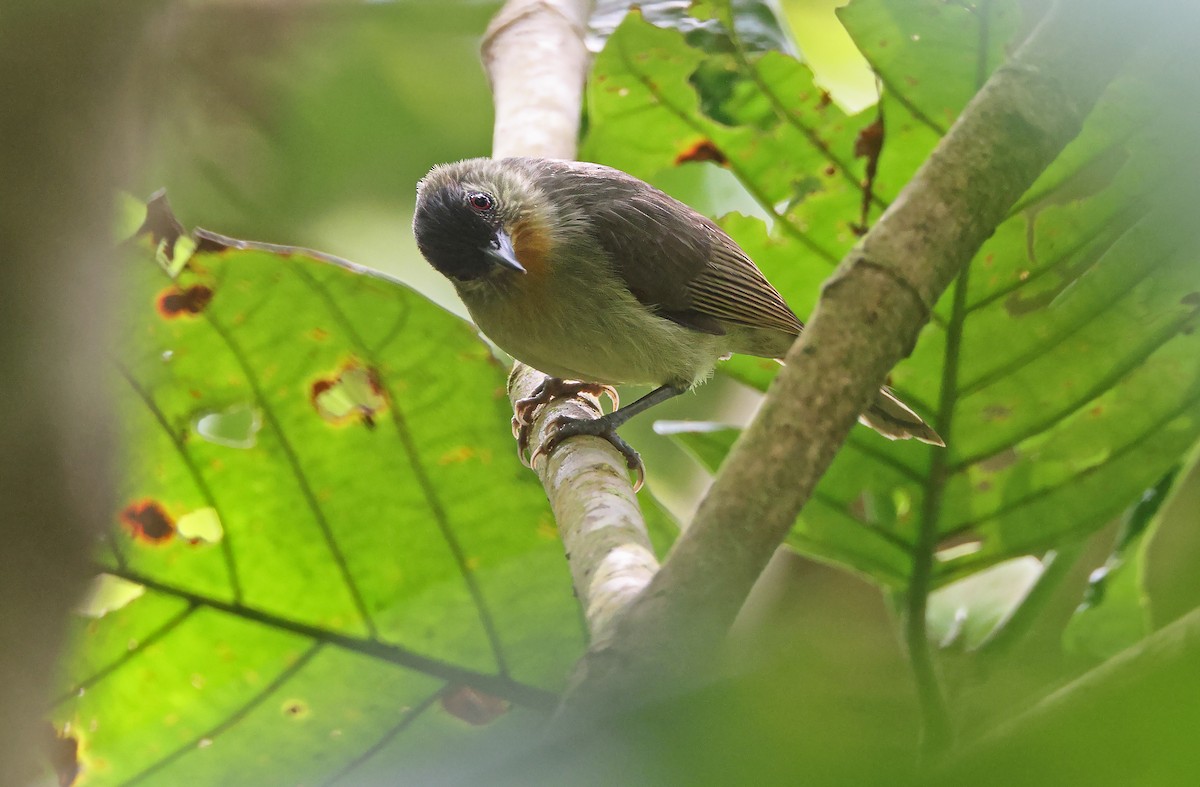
{"x": 577, "y": 322}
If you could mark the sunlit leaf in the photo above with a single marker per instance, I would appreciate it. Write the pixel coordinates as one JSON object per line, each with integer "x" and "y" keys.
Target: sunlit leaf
{"x": 325, "y": 522}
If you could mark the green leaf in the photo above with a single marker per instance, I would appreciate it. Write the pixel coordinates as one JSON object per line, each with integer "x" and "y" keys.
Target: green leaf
{"x": 1168, "y": 559}
{"x": 706, "y": 26}
{"x": 325, "y": 520}
{"x": 964, "y": 613}
{"x": 646, "y": 116}
{"x": 1113, "y": 616}
{"x": 1072, "y": 365}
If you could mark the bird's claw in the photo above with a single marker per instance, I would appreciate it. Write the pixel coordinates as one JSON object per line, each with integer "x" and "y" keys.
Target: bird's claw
{"x": 563, "y": 426}
{"x": 525, "y": 410}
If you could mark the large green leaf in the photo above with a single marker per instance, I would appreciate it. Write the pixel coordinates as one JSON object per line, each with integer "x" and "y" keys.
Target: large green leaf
{"x": 342, "y": 557}
{"x": 1067, "y": 377}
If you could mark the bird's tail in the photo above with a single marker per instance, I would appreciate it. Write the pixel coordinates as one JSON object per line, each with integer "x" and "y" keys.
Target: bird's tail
{"x": 895, "y": 420}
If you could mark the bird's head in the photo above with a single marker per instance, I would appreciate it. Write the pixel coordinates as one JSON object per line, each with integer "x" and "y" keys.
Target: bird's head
{"x": 470, "y": 214}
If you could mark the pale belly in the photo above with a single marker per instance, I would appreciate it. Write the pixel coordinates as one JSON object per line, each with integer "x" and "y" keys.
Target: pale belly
{"x": 611, "y": 338}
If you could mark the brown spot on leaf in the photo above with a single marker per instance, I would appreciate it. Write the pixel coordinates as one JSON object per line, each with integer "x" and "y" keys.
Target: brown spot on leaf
{"x": 869, "y": 145}
{"x": 1016, "y": 306}
{"x": 174, "y": 302}
{"x": 704, "y": 150}
{"x": 858, "y": 507}
{"x": 63, "y": 751}
{"x": 147, "y": 521}
{"x": 473, "y": 706}
{"x": 830, "y": 170}
{"x": 997, "y": 462}
{"x": 465, "y": 453}
{"x": 996, "y": 412}
{"x": 318, "y": 334}
{"x": 869, "y": 141}
{"x": 296, "y": 709}
{"x": 824, "y": 100}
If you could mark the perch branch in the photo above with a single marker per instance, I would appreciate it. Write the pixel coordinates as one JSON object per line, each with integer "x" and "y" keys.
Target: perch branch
{"x": 537, "y": 63}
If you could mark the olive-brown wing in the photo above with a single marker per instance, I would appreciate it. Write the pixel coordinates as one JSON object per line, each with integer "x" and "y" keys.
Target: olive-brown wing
{"x": 673, "y": 259}
{"x": 733, "y": 289}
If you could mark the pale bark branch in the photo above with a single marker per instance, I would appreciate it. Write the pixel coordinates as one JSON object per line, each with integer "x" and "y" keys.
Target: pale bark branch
{"x": 869, "y": 315}
{"x": 598, "y": 517}
{"x": 537, "y": 62}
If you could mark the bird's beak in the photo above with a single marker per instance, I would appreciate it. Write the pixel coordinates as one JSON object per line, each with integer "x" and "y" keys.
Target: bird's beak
{"x": 501, "y": 250}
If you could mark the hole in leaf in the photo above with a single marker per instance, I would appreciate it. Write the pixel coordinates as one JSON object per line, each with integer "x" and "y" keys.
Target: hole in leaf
{"x": 958, "y": 547}
{"x": 201, "y": 526}
{"x": 108, "y": 593}
{"x": 354, "y": 393}
{"x": 173, "y": 257}
{"x": 235, "y": 427}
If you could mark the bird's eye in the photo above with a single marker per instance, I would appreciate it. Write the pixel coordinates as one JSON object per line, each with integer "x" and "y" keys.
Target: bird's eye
{"x": 480, "y": 201}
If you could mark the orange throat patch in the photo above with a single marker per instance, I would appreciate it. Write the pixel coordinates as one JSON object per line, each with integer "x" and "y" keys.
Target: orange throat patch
{"x": 531, "y": 242}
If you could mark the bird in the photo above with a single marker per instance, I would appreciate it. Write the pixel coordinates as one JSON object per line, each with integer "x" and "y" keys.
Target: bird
{"x": 596, "y": 278}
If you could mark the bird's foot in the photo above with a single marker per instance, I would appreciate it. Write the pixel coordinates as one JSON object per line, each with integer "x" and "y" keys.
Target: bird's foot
{"x": 552, "y": 388}
{"x": 564, "y": 426}
{"x": 525, "y": 410}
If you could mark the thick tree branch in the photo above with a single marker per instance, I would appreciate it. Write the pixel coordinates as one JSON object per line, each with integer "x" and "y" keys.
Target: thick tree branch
{"x": 868, "y": 318}
{"x": 536, "y": 60}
